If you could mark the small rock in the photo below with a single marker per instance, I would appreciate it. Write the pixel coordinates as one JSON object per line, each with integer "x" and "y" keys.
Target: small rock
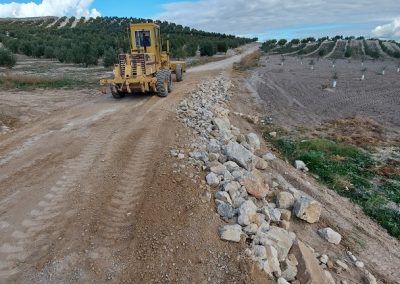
{"x": 213, "y": 146}
{"x": 231, "y": 166}
{"x": 231, "y": 233}
{"x": 307, "y": 209}
{"x": 301, "y": 166}
{"x": 275, "y": 214}
{"x": 225, "y": 210}
{"x": 281, "y": 239}
{"x": 284, "y": 200}
{"x": 359, "y": 264}
{"x": 273, "y": 134}
{"x": 282, "y": 280}
{"x": 341, "y": 264}
{"x": 261, "y": 164}
{"x": 212, "y": 179}
{"x": 223, "y": 196}
{"x": 247, "y": 213}
{"x": 351, "y": 256}
{"x": 181, "y": 156}
{"x": 251, "y": 229}
{"x": 369, "y": 278}
{"x": 240, "y": 155}
{"x": 286, "y": 215}
{"x": 269, "y": 157}
{"x": 284, "y": 224}
{"x": 213, "y": 157}
{"x": 255, "y": 185}
{"x": 259, "y": 251}
{"x": 253, "y": 140}
{"x": 218, "y": 169}
{"x": 330, "y": 235}
{"x": 324, "y": 259}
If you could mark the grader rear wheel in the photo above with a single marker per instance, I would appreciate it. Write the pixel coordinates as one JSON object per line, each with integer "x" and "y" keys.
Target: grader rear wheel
{"x": 117, "y": 94}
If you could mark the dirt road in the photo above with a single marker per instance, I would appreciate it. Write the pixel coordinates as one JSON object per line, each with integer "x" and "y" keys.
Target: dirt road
{"x": 86, "y": 196}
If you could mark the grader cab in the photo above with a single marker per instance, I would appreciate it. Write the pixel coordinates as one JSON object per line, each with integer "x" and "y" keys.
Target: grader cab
{"x": 147, "y": 68}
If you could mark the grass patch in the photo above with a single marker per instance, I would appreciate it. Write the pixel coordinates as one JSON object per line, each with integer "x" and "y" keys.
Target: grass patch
{"x": 350, "y": 171}
{"x": 249, "y": 61}
{"x": 25, "y": 82}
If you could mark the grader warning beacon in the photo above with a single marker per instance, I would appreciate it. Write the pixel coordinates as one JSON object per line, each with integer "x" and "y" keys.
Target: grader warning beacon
{"x": 147, "y": 68}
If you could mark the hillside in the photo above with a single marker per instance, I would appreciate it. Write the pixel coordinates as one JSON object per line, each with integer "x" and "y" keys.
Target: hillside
{"x": 83, "y": 40}
{"x": 335, "y": 48}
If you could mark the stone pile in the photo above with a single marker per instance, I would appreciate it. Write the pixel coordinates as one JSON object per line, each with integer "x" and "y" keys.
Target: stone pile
{"x": 253, "y": 204}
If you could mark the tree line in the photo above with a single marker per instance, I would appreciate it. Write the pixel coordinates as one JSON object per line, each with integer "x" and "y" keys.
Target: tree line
{"x": 104, "y": 37}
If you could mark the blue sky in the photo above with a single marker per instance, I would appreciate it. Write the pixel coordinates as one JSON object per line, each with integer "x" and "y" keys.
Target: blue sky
{"x": 262, "y": 18}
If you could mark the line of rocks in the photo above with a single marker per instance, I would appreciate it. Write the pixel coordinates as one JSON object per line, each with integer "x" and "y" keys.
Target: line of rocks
{"x": 246, "y": 196}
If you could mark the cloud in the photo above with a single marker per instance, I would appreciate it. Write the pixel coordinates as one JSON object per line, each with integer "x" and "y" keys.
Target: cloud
{"x": 77, "y": 8}
{"x": 257, "y": 17}
{"x": 391, "y": 30}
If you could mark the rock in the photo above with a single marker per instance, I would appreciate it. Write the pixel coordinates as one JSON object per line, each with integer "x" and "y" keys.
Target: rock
{"x": 284, "y": 200}
{"x": 247, "y": 213}
{"x": 181, "y": 156}
{"x": 282, "y": 280}
{"x": 273, "y": 134}
{"x": 240, "y": 155}
{"x": 286, "y": 215}
{"x": 223, "y": 196}
{"x": 272, "y": 264}
{"x": 284, "y": 224}
{"x": 269, "y": 157}
{"x": 351, "y": 256}
{"x": 289, "y": 268}
{"x": 255, "y": 185}
{"x": 261, "y": 164}
{"x": 212, "y": 180}
{"x": 253, "y": 140}
{"x": 309, "y": 270}
{"x": 281, "y": 239}
{"x": 251, "y": 229}
{"x": 259, "y": 251}
{"x": 341, "y": 264}
{"x": 241, "y": 138}
{"x": 213, "y": 146}
{"x": 301, "y": 166}
{"x": 369, "y": 278}
{"x": 307, "y": 209}
{"x": 213, "y": 157}
{"x": 330, "y": 235}
{"x": 324, "y": 259}
{"x": 231, "y": 166}
{"x": 274, "y": 214}
{"x": 230, "y": 233}
{"x": 225, "y": 210}
{"x": 329, "y": 276}
{"x": 218, "y": 169}
{"x": 359, "y": 264}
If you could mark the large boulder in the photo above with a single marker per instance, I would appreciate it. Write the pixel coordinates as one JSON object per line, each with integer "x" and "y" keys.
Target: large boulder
{"x": 330, "y": 235}
{"x": 307, "y": 209}
{"x": 253, "y": 140}
{"x": 231, "y": 233}
{"x": 309, "y": 270}
{"x": 240, "y": 155}
{"x": 247, "y": 213}
{"x": 255, "y": 184}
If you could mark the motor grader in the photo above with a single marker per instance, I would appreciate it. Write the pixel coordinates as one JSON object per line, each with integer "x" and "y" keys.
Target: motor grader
{"x": 147, "y": 68}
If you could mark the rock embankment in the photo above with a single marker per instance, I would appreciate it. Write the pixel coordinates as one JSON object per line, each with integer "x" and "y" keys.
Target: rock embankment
{"x": 247, "y": 196}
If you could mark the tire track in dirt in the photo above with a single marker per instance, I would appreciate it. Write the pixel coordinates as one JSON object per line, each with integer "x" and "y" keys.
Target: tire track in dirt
{"x": 31, "y": 237}
{"x": 116, "y": 223}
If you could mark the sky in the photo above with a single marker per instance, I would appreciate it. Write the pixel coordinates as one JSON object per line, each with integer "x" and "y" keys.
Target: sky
{"x": 253, "y": 18}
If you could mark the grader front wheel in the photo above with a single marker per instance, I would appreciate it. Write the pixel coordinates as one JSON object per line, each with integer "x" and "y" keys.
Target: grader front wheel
{"x": 163, "y": 82}
{"x": 179, "y": 73}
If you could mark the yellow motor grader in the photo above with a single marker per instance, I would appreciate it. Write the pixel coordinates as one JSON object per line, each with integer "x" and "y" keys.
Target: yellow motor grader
{"x": 147, "y": 68}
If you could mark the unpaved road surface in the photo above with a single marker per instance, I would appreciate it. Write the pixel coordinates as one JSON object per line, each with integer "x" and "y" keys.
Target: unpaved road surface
{"x": 86, "y": 195}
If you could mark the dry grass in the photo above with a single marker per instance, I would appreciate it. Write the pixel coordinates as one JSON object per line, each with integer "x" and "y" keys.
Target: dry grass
{"x": 18, "y": 81}
{"x": 248, "y": 62}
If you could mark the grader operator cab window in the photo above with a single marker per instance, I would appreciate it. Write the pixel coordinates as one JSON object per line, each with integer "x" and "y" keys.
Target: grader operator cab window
{"x": 143, "y": 38}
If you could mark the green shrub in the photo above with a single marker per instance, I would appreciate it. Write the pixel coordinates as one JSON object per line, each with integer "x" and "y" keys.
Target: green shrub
{"x": 7, "y": 58}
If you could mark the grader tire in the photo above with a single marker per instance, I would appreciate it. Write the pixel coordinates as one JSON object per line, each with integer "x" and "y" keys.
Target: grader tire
{"x": 163, "y": 82}
{"x": 116, "y": 94}
{"x": 170, "y": 82}
{"x": 179, "y": 73}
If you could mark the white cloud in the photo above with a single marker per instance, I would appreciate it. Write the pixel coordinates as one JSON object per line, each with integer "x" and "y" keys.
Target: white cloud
{"x": 255, "y": 17}
{"x": 78, "y": 8}
{"x": 391, "y": 30}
